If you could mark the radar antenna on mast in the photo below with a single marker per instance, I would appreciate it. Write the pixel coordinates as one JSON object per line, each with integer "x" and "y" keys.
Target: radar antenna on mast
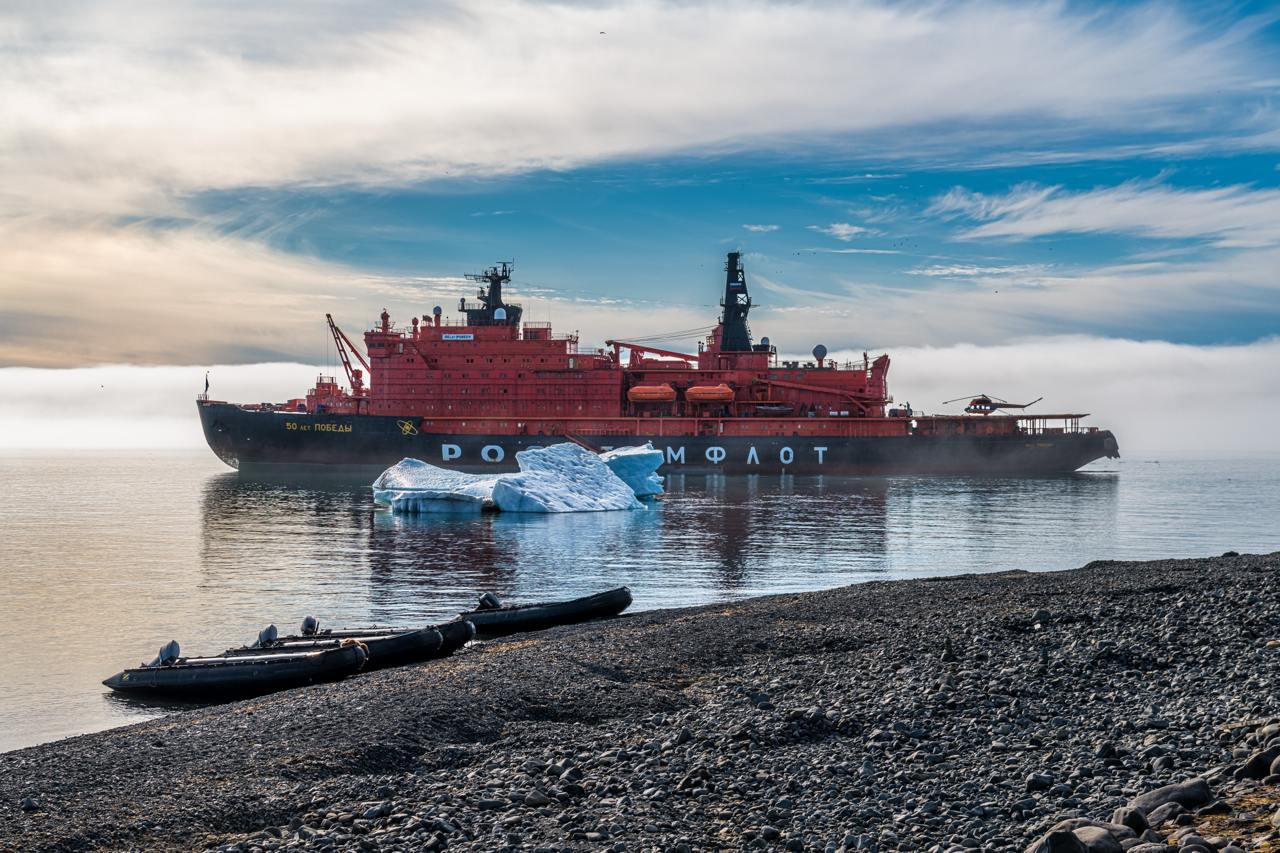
{"x": 485, "y": 313}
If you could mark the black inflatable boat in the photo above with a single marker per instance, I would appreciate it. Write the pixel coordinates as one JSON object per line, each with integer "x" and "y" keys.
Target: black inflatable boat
{"x": 497, "y": 621}
{"x": 385, "y": 647}
{"x": 225, "y": 677}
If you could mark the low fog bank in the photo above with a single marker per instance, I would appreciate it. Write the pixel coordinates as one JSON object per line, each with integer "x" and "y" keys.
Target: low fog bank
{"x": 1156, "y": 396}
{"x": 123, "y": 406}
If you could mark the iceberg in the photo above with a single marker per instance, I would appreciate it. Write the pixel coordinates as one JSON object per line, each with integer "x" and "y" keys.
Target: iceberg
{"x": 637, "y": 467}
{"x": 415, "y": 486}
{"x": 559, "y": 478}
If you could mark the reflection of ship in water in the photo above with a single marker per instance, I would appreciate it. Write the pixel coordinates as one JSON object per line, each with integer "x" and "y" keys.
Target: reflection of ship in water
{"x": 750, "y": 528}
{"x": 327, "y": 550}
{"x": 524, "y": 556}
{"x": 256, "y": 522}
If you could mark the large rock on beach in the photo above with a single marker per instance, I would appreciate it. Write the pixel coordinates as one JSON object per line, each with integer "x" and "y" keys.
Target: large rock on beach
{"x": 1258, "y": 765}
{"x": 1058, "y": 841}
{"x": 1190, "y": 794}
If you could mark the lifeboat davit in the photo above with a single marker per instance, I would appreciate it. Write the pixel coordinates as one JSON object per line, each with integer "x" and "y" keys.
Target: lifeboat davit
{"x": 709, "y": 394}
{"x": 651, "y": 394}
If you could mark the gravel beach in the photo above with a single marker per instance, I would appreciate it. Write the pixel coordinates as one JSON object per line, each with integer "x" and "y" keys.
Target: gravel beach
{"x": 1119, "y": 706}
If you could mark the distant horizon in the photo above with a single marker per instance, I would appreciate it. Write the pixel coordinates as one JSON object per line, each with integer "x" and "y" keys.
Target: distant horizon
{"x": 1149, "y": 392}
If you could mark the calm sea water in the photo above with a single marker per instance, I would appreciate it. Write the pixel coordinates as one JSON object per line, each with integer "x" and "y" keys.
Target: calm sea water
{"x": 108, "y": 555}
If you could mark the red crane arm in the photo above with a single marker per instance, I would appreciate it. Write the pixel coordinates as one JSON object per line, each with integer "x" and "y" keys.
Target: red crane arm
{"x": 642, "y": 348}
{"x": 354, "y": 351}
{"x": 338, "y": 339}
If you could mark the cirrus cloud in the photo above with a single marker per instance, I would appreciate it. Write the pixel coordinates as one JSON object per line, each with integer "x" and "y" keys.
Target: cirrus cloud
{"x": 121, "y": 106}
{"x": 1237, "y": 216}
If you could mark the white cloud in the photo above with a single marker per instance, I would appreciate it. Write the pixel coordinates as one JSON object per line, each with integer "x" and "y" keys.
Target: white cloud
{"x": 972, "y": 270}
{"x": 73, "y": 295}
{"x": 843, "y": 231}
{"x": 856, "y": 251}
{"x": 120, "y": 107}
{"x": 1234, "y": 216}
{"x": 761, "y": 229}
{"x": 1145, "y": 299}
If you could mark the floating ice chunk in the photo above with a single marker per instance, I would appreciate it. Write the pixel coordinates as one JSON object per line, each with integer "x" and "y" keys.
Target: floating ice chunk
{"x": 637, "y": 467}
{"x": 562, "y": 478}
{"x": 559, "y": 478}
{"x": 412, "y": 485}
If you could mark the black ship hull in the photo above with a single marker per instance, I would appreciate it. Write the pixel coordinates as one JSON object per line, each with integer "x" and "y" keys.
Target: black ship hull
{"x": 268, "y": 443}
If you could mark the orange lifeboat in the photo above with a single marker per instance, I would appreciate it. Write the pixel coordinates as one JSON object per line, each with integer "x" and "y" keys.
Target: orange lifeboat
{"x": 651, "y": 394}
{"x": 709, "y": 394}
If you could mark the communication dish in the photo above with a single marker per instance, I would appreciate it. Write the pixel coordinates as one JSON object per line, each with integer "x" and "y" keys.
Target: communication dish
{"x": 819, "y": 352}
{"x": 764, "y": 342}
{"x": 500, "y": 313}
{"x": 437, "y": 311}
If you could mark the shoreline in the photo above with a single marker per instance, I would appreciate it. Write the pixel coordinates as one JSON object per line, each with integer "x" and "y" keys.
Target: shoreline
{"x": 969, "y": 712}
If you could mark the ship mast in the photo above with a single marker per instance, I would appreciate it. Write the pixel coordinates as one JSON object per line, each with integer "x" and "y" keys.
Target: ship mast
{"x": 736, "y": 336}
{"x": 491, "y": 310}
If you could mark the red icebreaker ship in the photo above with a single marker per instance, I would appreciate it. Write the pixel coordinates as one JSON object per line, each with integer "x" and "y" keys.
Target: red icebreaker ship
{"x": 470, "y": 395}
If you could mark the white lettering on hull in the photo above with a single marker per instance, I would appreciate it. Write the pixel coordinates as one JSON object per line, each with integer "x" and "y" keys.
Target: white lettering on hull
{"x": 715, "y": 454}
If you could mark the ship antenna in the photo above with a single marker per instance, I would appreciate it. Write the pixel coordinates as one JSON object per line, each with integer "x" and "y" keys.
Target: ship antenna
{"x": 491, "y": 297}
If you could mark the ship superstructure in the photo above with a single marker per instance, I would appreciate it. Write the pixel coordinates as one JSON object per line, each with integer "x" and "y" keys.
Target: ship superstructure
{"x": 434, "y": 388}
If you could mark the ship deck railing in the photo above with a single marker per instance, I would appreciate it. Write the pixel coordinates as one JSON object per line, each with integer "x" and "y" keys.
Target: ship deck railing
{"x": 1052, "y": 424}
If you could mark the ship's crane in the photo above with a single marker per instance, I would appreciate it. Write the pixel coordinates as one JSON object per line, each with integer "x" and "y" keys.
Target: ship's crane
{"x": 986, "y": 404}
{"x": 343, "y": 343}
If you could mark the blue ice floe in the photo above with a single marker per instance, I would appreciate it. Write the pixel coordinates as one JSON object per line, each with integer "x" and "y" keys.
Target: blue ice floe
{"x": 559, "y": 478}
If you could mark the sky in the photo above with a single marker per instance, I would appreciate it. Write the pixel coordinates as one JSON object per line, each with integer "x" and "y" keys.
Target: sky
{"x": 976, "y": 187}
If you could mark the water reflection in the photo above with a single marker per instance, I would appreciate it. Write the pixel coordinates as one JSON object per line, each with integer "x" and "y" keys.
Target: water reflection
{"x": 138, "y": 549}
{"x": 710, "y": 538}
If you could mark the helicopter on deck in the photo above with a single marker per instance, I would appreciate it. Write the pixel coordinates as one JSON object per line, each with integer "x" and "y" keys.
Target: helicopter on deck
{"x": 986, "y": 404}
